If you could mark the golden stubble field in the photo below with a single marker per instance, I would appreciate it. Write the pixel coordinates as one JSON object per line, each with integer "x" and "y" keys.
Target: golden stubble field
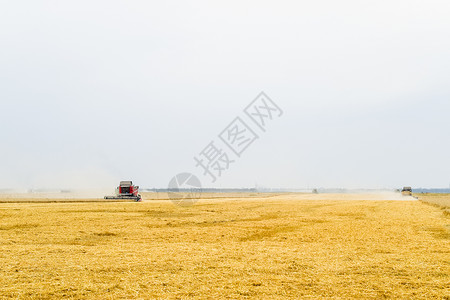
{"x": 262, "y": 248}
{"x": 439, "y": 200}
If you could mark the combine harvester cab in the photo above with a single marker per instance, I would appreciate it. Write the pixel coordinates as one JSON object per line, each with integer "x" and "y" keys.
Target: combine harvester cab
{"x": 407, "y": 191}
{"x": 126, "y": 190}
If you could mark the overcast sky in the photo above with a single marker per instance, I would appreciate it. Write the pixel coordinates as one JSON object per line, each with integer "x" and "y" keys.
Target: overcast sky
{"x": 92, "y": 92}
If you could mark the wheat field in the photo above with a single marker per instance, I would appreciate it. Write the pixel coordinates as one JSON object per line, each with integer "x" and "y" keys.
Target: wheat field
{"x": 273, "y": 247}
{"x": 439, "y": 200}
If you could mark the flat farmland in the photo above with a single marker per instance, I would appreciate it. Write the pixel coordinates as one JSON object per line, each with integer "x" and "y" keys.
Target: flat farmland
{"x": 285, "y": 246}
{"x": 439, "y": 200}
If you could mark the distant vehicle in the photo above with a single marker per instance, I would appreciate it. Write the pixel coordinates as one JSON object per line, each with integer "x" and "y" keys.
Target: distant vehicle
{"x": 407, "y": 191}
{"x": 126, "y": 190}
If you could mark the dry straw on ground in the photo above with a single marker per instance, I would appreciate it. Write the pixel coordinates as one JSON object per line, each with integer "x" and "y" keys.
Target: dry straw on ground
{"x": 439, "y": 200}
{"x": 245, "y": 248}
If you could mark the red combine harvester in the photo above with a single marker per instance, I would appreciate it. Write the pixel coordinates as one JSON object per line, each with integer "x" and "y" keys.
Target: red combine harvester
{"x": 126, "y": 190}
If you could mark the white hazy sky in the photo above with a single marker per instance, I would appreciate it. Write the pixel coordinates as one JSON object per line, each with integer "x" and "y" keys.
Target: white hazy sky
{"x": 92, "y": 92}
